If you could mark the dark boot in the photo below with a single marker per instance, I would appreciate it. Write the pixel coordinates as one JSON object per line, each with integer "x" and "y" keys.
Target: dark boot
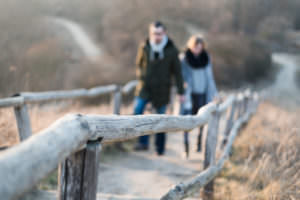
{"x": 186, "y": 144}
{"x": 160, "y": 141}
{"x": 224, "y": 142}
{"x": 143, "y": 143}
{"x": 199, "y": 140}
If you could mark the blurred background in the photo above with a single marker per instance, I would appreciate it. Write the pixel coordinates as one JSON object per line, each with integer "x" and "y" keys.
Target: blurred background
{"x": 54, "y": 45}
{"x": 68, "y": 44}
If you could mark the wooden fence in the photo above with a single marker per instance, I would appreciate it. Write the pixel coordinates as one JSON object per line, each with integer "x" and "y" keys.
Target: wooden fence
{"x": 20, "y": 101}
{"x": 73, "y": 143}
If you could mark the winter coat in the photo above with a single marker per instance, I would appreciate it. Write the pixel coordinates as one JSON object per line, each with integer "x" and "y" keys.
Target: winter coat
{"x": 155, "y": 76}
{"x": 210, "y": 91}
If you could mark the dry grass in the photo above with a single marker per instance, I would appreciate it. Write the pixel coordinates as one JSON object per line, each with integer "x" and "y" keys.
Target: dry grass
{"x": 266, "y": 158}
{"x": 8, "y": 128}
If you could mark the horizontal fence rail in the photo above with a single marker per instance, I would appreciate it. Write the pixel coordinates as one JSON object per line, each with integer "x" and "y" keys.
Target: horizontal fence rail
{"x": 74, "y": 140}
{"x": 128, "y": 87}
{"x": 35, "y": 97}
{"x": 11, "y": 102}
{"x": 20, "y": 101}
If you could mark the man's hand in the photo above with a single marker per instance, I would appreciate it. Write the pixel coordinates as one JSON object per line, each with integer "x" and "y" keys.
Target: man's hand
{"x": 217, "y": 99}
{"x": 181, "y": 98}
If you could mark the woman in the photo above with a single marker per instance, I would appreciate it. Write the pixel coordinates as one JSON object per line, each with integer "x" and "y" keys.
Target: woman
{"x": 200, "y": 87}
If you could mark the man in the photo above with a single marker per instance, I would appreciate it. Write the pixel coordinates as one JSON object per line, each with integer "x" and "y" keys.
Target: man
{"x": 157, "y": 63}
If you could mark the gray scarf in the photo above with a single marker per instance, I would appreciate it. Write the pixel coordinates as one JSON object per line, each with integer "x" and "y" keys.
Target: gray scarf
{"x": 158, "y": 48}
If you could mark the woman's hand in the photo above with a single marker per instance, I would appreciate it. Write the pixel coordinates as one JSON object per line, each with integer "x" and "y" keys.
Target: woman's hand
{"x": 185, "y": 85}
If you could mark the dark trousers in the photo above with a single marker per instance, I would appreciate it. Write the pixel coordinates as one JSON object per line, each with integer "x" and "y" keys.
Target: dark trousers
{"x": 198, "y": 100}
{"x": 160, "y": 138}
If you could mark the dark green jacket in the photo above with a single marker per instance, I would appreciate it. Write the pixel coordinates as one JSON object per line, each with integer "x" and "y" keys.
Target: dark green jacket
{"x": 155, "y": 77}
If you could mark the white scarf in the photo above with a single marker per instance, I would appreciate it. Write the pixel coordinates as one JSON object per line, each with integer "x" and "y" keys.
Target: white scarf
{"x": 158, "y": 48}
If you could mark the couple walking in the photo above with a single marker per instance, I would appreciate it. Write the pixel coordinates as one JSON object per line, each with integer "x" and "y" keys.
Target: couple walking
{"x": 158, "y": 63}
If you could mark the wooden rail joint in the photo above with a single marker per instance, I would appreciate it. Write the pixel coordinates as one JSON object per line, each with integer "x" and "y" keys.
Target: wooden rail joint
{"x": 23, "y": 120}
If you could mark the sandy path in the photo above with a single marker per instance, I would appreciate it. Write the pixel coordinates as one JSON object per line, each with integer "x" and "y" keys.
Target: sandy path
{"x": 80, "y": 36}
{"x": 284, "y": 90}
{"x": 143, "y": 175}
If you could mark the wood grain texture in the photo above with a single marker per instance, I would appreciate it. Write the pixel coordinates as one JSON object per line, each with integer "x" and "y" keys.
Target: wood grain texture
{"x": 78, "y": 174}
{"x": 71, "y": 176}
{"x": 90, "y": 173}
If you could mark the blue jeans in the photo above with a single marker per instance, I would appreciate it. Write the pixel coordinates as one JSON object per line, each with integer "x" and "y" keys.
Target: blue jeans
{"x": 160, "y": 138}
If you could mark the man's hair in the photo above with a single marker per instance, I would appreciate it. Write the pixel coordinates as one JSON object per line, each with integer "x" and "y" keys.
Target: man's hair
{"x": 158, "y": 24}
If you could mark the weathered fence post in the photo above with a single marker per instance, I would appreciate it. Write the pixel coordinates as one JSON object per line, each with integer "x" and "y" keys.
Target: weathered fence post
{"x": 23, "y": 122}
{"x": 255, "y": 99}
{"x": 240, "y": 106}
{"x": 247, "y": 100}
{"x": 78, "y": 174}
{"x": 173, "y": 100}
{"x": 210, "y": 150}
{"x": 229, "y": 123}
{"x": 117, "y": 100}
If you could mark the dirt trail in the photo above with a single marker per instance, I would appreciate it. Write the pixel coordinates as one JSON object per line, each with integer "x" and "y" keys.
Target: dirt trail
{"x": 284, "y": 90}
{"x": 80, "y": 37}
{"x": 145, "y": 175}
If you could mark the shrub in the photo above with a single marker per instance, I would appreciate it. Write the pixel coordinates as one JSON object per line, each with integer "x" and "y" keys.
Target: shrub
{"x": 273, "y": 28}
{"x": 238, "y": 60}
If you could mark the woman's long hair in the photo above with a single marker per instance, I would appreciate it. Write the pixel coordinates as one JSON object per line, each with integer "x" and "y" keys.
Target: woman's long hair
{"x": 194, "y": 41}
